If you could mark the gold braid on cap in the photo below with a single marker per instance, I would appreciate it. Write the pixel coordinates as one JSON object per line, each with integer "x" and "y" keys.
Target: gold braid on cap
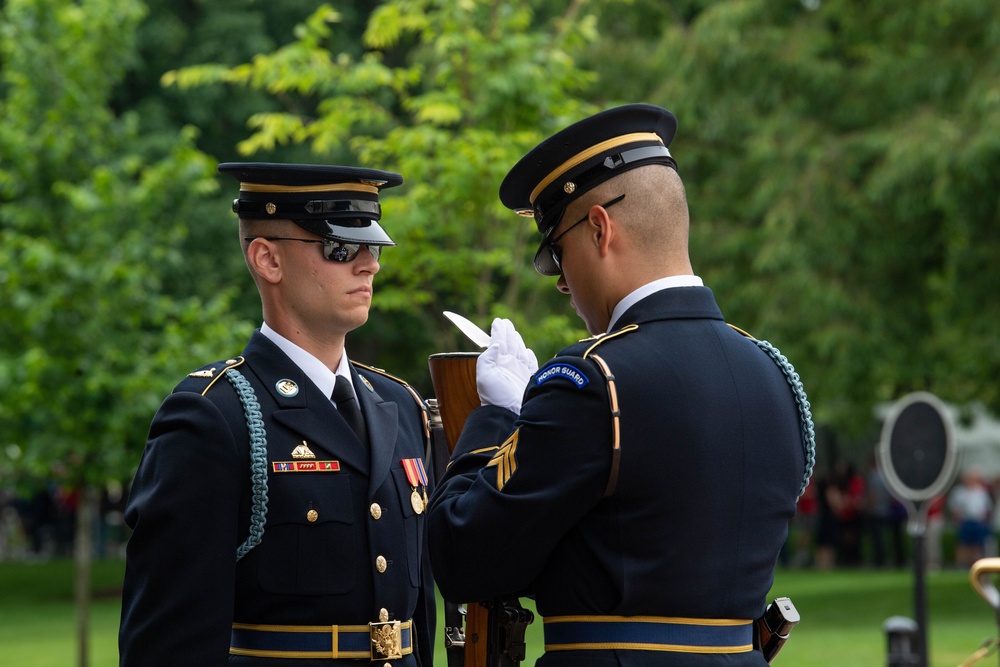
{"x": 336, "y": 187}
{"x": 583, "y": 156}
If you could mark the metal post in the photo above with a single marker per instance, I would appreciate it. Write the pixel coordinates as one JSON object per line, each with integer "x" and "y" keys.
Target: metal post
{"x": 920, "y": 599}
{"x": 901, "y": 634}
{"x": 917, "y": 527}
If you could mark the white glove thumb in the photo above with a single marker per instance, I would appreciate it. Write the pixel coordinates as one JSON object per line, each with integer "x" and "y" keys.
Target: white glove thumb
{"x": 504, "y": 368}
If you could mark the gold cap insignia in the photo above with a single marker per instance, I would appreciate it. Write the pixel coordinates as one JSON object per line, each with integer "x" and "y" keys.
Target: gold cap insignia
{"x": 286, "y": 387}
{"x": 270, "y": 208}
{"x": 569, "y": 188}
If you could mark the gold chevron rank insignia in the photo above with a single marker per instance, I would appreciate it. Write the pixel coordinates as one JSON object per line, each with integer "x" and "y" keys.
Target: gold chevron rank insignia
{"x": 504, "y": 461}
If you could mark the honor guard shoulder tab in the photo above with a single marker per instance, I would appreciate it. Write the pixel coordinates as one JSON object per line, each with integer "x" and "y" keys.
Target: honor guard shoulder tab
{"x": 406, "y": 385}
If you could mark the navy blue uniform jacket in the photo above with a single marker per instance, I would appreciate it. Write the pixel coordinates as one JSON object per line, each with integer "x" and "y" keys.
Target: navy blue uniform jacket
{"x": 190, "y": 507}
{"x": 710, "y": 469}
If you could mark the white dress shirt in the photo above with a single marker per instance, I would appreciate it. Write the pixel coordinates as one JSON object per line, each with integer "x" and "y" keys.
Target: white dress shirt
{"x": 314, "y": 369}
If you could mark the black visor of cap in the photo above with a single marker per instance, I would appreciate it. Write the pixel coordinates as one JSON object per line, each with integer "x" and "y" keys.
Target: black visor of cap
{"x": 349, "y": 230}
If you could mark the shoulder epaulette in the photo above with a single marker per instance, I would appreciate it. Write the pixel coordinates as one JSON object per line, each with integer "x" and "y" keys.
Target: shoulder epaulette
{"x": 740, "y": 331}
{"x": 407, "y": 387}
{"x": 603, "y": 338}
{"x": 214, "y": 372}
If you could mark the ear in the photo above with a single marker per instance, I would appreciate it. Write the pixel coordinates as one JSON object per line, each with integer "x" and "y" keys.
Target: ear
{"x": 263, "y": 258}
{"x": 603, "y": 229}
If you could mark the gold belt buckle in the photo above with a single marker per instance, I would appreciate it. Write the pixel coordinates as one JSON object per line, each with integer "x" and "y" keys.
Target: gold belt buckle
{"x": 387, "y": 640}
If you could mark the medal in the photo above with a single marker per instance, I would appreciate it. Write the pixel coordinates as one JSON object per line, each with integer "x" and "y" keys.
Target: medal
{"x": 417, "y": 501}
{"x": 417, "y": 477}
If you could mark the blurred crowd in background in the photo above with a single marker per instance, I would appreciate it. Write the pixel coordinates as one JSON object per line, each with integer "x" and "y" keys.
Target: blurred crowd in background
{"x": 41, "y": 525}
{"x": 846, "y": 518}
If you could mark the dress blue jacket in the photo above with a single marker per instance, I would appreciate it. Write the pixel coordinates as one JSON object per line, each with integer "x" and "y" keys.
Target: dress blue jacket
{"x": 710, "y": 462}
{"x": 192, "y": 499}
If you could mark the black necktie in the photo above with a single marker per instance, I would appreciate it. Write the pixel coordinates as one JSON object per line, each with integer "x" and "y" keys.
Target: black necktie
{"x": 347, "y": 404}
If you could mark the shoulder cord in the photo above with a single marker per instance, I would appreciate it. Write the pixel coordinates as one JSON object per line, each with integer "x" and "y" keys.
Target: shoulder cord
{"x": 258, "y": 459}
{"x": 805, "y": 413}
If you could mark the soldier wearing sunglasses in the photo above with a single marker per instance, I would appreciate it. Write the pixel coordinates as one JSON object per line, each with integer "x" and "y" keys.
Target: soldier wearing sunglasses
{"x": 278, "y": 510}
{"x": 638, "y": 485}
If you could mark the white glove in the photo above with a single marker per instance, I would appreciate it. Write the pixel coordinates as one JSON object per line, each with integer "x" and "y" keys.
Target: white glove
{"x": 504, "y": 368}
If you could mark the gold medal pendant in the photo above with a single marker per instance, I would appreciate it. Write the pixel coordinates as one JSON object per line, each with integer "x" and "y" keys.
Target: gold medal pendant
{"x": 417, "y": 477}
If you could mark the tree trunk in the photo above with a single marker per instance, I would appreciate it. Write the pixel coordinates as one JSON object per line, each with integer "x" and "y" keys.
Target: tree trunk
{"x": 83, "y": 556}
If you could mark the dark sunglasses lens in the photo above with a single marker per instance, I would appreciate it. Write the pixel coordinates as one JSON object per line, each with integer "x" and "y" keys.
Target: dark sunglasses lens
{"x": 556, "y": 259}
{"x": 338, "y": 251}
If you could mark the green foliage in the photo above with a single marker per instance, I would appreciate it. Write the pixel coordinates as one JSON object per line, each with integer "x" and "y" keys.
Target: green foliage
{"x": 227, "y": 32}
{"x": 842, "y": 169}
{"x": 841, "y": 166}
{"x": 841, "y": 163}
{"x": 482, "y": 82}
{"x": 91, "y": 337}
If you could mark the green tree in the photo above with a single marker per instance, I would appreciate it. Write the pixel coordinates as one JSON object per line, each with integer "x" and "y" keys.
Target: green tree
{"x": 477, "y": 84}
{"x": 91, "y": 337}
{"x": 842, "y": 165}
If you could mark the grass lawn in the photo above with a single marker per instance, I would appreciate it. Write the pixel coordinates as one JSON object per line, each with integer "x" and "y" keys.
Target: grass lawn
{"x": 842, "y": 616}
{"x": 38, "y": 621}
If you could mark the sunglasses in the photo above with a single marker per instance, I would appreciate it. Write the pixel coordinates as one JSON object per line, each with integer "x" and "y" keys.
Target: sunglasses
{"x": 557, "y": 252}
{"x": 333, "y": 250}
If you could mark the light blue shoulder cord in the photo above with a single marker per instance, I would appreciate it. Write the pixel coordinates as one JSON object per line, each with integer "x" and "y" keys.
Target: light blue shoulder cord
{"x": 258, "y": 459}
{"x": 805, "y": 414}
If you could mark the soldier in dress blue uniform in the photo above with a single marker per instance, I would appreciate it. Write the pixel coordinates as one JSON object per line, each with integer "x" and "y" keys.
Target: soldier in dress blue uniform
{"x": 278, "y": 510}
{"x": 639, "y": 485}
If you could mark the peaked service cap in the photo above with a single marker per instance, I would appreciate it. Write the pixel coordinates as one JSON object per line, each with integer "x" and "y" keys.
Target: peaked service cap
{"x": 576, "y": 159}
{"x": 330, "y": 201}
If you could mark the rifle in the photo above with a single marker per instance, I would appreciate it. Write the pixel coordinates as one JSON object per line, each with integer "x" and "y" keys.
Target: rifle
{"x": 772, "y": 629}
{"x": 493, "y": 632}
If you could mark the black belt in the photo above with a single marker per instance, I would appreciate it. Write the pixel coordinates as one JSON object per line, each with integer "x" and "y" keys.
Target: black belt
{"x": 648, "y": 633}
{"x": 375, "y": 641}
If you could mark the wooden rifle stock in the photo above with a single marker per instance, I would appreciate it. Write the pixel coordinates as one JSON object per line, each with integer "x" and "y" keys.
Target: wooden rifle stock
{"x": 494, "y": 630}
{"x": 453, "y": 375}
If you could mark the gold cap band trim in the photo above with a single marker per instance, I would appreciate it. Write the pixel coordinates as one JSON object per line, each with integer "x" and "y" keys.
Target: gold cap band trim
{"x": 336, "y": 187}
{"x": 583, "y": 156}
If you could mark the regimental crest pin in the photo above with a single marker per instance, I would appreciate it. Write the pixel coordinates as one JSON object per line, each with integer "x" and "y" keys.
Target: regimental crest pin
{"x": 286, "y": 387}
{"x": 303, "y": 452}
{"x": 367, "y": 383}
